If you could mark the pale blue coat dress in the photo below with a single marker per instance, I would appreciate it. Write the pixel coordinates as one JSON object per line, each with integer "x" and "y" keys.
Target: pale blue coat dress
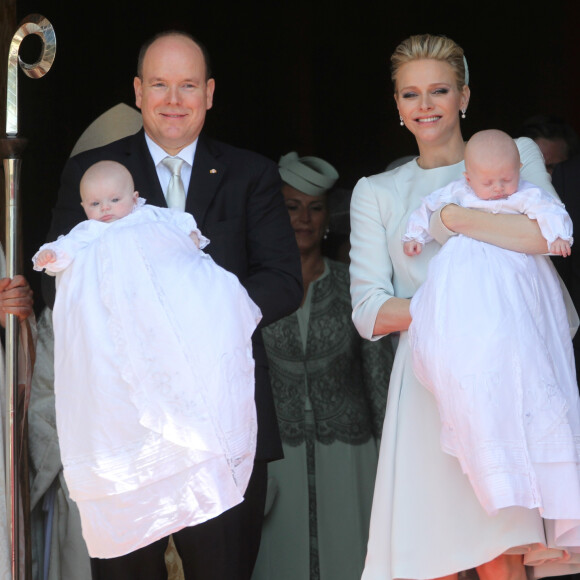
{"x": 426, "y": 521}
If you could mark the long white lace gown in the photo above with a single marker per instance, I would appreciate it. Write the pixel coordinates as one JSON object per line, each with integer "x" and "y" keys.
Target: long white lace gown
{"x": 154, "y": 379}
{"x": 490, "y": 339}
{"x": 426, "y": 520}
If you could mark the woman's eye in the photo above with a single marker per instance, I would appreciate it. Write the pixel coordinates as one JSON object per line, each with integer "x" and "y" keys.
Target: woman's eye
{"x": 115, "y": 200}
{"x": 94, "y": 204}
{"x": 409, "y": 95}
{"x": 440, "y": 91}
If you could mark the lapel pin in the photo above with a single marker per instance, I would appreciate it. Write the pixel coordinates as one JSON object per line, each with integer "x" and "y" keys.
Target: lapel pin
{"x": 213, "y": 170}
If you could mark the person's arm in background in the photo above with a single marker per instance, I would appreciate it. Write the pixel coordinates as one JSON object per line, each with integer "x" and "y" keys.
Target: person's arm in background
{"x": 566, "y": 181}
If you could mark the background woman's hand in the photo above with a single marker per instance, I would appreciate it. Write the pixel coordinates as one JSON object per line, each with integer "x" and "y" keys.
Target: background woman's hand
{"x": 15, "y": 298}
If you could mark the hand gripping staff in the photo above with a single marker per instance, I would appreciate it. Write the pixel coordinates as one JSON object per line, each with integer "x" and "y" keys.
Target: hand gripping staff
{"x": 11, "y": 147}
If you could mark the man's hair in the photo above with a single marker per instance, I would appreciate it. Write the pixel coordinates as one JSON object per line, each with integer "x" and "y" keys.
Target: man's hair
{"x": 145, "y": 47}
{"x": 551, "y": 128}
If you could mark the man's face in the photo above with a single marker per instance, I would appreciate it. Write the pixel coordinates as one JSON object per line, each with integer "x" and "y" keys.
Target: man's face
{"x": 554, "y": 151}
{"x": 173, "y": 94}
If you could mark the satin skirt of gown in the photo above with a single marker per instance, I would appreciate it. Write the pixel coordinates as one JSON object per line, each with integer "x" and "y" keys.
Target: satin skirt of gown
{"x": 155, "y": 402}
{"x": 426, "y": 520}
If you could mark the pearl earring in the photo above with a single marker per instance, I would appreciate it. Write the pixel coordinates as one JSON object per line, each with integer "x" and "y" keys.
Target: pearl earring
{"x": 402, "y": 122}
{"x": 463, "y": 113}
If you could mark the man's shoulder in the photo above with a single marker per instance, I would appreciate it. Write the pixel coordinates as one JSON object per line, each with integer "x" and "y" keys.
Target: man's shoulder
{"x": 116, "y": 150}
{"x": 232, "y": 155}
{"x": 570, "y": 166}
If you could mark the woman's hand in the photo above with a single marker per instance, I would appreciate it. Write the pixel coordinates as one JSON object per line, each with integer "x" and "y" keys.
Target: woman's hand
{"x": 511, "y": 232}
{"x": 393, "y": 316}
{"x": 15, "y": 298}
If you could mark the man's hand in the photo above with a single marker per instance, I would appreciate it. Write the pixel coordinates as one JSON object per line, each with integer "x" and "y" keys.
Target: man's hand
{"x": 15, "y": 298}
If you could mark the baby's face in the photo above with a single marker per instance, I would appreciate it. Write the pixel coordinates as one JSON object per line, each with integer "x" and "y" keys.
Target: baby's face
{"x": 493, "y": 180}
{"x": 107, "y": 200}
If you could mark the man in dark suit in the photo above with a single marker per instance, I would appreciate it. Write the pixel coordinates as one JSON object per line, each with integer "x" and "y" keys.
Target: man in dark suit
{"x": 235, "y": 198}
{"x": 566, "y": 182}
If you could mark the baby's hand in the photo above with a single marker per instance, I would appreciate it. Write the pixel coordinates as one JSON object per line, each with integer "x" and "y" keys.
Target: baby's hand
{"x": 195, "y": 238}
{"x": 560, "y": 247}
{"x": 45, "y": 257}
{"x": 412, "y": 248}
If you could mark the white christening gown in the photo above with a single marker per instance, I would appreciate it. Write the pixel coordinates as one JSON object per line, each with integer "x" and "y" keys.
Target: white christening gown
{"x": 490, "y": 339}
{"x": 154, "y": 379}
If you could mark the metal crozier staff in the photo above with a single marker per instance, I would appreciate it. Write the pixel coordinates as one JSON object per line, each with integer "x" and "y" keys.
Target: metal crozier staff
{"x": 11, "y": 148}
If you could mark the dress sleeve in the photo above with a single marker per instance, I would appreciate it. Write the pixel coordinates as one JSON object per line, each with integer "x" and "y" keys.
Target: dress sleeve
{"x": 533, "y": 166}
{"x": 186, "y": 222}
{"x": 67, "y": 247}
{"x": 67, "y": 213}
{"x": 550, "y": 214}
{"x": 371, "y": 268}
{"x": 418, "y": 226}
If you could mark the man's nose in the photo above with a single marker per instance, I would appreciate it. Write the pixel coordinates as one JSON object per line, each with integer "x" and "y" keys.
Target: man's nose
{"x": 173, "y": 95}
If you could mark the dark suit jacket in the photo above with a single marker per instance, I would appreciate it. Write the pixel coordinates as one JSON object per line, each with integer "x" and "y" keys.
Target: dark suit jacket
{"x": 235, "y": 198}
{"x": 566, "y": 182}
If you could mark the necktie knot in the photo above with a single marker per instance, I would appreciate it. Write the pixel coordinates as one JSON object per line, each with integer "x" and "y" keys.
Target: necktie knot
{"x": 175, "y": 190}
{"x": 174, "y": 164}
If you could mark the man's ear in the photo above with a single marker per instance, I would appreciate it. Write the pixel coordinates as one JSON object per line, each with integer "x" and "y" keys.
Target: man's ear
{"x": 138, "y": 86}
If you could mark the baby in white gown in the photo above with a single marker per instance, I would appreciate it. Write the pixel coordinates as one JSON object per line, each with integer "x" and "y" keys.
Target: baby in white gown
{"x": 152, "y": 338}
{"x": 490, "y": 339}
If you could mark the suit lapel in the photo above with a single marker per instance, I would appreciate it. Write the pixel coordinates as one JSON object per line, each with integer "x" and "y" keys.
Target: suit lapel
{"x": 206, "y": 176}
{"x": 141, "y": 166}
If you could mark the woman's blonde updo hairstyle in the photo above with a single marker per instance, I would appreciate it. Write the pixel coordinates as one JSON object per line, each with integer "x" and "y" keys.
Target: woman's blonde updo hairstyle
{"x": 422, "y": 46}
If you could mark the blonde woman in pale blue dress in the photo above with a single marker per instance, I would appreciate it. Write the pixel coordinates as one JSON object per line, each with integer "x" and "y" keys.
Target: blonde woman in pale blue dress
{"x": 426, "y": 521}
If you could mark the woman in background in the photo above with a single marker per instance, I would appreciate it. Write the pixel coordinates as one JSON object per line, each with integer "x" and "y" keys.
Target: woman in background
{"x": 330, "y": 390}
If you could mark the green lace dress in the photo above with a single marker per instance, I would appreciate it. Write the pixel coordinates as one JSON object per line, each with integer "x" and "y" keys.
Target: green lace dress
{"x": 330, "y": 389}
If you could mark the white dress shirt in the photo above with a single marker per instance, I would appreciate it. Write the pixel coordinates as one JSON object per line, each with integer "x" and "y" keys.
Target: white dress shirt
{"x": 159, "y": 154}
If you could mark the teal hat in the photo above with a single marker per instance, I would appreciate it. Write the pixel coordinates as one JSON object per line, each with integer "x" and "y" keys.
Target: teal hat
{"x": 310, "y": 175}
